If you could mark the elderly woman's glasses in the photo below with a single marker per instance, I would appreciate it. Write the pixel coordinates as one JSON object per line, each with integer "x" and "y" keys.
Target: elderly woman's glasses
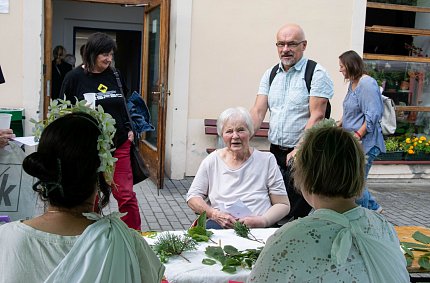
{"x": 291, "y": 44}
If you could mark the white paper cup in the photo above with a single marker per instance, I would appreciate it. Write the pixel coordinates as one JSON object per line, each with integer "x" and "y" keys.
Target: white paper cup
{"x": 90, "y": 97}
{"x": 5, "y": 121}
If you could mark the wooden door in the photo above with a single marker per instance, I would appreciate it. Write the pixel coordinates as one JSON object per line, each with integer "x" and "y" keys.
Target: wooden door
{"x": 154, "y": 75}
{"x": 154, "y": 71}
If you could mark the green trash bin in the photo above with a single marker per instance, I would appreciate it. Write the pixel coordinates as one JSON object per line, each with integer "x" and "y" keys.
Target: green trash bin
{"x": 16, "y": 123}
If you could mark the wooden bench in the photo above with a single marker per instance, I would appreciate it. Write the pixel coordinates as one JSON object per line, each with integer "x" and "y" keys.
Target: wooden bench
{"x": 210, "y": 129}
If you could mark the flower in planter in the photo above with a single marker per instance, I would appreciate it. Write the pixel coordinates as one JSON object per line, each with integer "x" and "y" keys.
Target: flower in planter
{"x": 415, "y": 145}
{"x": 392, "y": 144}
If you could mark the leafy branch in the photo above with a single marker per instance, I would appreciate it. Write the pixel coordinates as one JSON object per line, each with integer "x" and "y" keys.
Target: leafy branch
{"x": 243, "y": 231}
{"x": 230, "y": 258}
{"x": 199, "y": 232}
{"x": 169, "y": 244}
{"x": 408, "y": 247}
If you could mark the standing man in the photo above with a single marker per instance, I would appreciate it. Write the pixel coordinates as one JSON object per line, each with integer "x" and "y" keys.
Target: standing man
{"x": 293, "y": 108}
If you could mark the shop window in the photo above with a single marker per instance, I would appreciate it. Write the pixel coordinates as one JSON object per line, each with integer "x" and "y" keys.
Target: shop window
{"x": 397, "y": 55}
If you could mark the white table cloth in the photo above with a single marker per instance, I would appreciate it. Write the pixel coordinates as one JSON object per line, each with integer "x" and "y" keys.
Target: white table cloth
{"x": 178, "y": 270}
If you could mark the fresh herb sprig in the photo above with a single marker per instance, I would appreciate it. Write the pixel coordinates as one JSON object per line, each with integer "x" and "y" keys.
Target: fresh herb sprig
{"x": 169, "y": 244}
{"x": 230, "y": 258}
{"x": 243, "y": 231}
{"x": 199, "y": 232}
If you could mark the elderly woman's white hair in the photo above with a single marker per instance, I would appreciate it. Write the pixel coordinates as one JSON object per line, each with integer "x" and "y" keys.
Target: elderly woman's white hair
{"x": 235, "y": 113}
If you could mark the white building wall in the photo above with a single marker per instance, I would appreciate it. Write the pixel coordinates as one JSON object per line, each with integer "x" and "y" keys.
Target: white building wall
{"x": 21, "y": 57}
{"x": 233, "y": 43}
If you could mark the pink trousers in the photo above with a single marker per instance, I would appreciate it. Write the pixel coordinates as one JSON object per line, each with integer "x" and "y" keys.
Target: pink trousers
{"x": 123, "y": 193}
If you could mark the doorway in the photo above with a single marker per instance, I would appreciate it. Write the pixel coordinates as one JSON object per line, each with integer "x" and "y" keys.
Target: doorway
{"x": 140, "y": 28}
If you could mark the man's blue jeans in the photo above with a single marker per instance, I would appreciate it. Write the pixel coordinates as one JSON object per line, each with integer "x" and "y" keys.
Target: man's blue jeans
{"x": 366, "y": 200}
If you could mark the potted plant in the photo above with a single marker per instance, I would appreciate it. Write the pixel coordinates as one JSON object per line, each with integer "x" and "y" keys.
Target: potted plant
{"x": 416, "y": 148}
{"x": 393, "y": 150}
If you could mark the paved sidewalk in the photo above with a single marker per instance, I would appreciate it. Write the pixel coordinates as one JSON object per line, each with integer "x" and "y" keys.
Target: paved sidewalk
{"x": 405, "y": 202}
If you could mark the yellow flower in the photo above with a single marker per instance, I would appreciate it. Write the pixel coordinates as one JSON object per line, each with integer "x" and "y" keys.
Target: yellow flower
{"x": 415, "y": 143}
{"x": 415, "y": 139}
{"x": 423, "y": 138}
{"x": 411, "y": 147}
{"x": 408, "y": 140}
{"x": 411, "y": 151}
{"x": 420, "y": 141}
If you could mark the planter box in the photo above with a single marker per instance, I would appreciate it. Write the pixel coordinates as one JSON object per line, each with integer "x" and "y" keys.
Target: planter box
{"x": 417, "y": 156}
{"x": 392, "y": 155}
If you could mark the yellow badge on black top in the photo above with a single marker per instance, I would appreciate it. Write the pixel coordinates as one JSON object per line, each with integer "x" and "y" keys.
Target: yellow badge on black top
{"x": 102, "y": 88}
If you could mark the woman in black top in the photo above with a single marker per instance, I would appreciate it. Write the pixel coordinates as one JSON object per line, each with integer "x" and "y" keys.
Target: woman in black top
{"x": 96, "y": 76}
{"x": 59, "y": 70}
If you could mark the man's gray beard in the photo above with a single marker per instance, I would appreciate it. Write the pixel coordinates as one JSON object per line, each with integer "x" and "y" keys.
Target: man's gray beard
{"x": 288, "y": 62}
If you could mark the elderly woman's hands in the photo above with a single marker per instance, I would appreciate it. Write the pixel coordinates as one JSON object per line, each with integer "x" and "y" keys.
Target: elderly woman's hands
{"x": 254, "y": 221}
{"x": 222, "y": 218}
{"x": 5, "y": 136}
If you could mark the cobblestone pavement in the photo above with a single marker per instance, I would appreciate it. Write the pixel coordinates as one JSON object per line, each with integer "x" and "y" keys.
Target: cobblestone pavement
{"x": 405, "y": 203}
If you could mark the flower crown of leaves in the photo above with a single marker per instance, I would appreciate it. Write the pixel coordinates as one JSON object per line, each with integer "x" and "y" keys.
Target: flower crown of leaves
{"x": 106, "y": 125}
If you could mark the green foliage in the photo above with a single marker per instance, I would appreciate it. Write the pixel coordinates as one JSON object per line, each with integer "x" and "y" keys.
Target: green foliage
{"x": 392, "y": 144}
{"x": 169, "y": 244}
{"x": 231, "y": 258}
{"x": 424, "y": 262}
{"x": 420, "y": 237}
{"x": 208, "y": 261}
{"x": 243, "y": 231}
{"x": 408, "y": 247}
{"x": 106, "y": 124}
{"x": 199, "y": 232}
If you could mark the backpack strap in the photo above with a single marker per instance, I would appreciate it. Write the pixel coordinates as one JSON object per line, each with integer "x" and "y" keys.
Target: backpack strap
{"x": 273, "y": 74}
{"x": 309, "y": 72}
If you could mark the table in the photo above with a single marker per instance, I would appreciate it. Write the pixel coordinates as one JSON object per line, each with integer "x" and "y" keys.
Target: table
{"x": 179, "y": 270}
{"x": 405, "y": 235}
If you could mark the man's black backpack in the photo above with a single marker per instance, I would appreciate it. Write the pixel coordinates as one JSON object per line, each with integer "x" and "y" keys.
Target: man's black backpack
{"x": 309, "y": 72}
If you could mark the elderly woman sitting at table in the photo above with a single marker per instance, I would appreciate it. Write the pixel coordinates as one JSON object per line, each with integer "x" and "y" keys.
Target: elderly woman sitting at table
{"x": 238, "y": 175}
{"x": 340, "y": 241}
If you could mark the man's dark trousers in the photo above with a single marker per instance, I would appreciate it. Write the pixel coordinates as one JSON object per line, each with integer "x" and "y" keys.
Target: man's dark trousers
{"x": 299, "y": 206}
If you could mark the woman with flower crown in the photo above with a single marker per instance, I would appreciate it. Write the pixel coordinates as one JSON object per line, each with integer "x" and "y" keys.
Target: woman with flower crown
{"x": 69, "y": 242}
{"x": 96, "y": 75}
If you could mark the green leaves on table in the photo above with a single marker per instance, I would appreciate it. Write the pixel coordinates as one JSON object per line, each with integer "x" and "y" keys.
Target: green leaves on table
{"x": 424, "y": 261}
{"x": 420, "y": 237}
{"x": 231, "y": 258}
{"x": 199, "y": 232}
{"x": 408, "y": 247}
{"x": 243, "y": 231}
{"x": 169, "y": 244}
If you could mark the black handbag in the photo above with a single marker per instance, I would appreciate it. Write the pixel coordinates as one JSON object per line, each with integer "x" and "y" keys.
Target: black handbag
{"x": 140, "y": 172}
{"x": 138, "y": 168}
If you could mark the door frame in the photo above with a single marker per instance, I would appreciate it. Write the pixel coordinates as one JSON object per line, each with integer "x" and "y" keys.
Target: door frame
{"x": 158, "y": 173}
{"x": 154, "y": 157}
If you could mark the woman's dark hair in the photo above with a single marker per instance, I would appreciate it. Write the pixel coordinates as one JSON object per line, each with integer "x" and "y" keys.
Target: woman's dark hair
{"x": 353, "y": 64}
{"x": 66, "y": 162}
{"x": 59, "y": 52}
{"x": 330, "y": 162}
{"x": 98, "y": 43}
